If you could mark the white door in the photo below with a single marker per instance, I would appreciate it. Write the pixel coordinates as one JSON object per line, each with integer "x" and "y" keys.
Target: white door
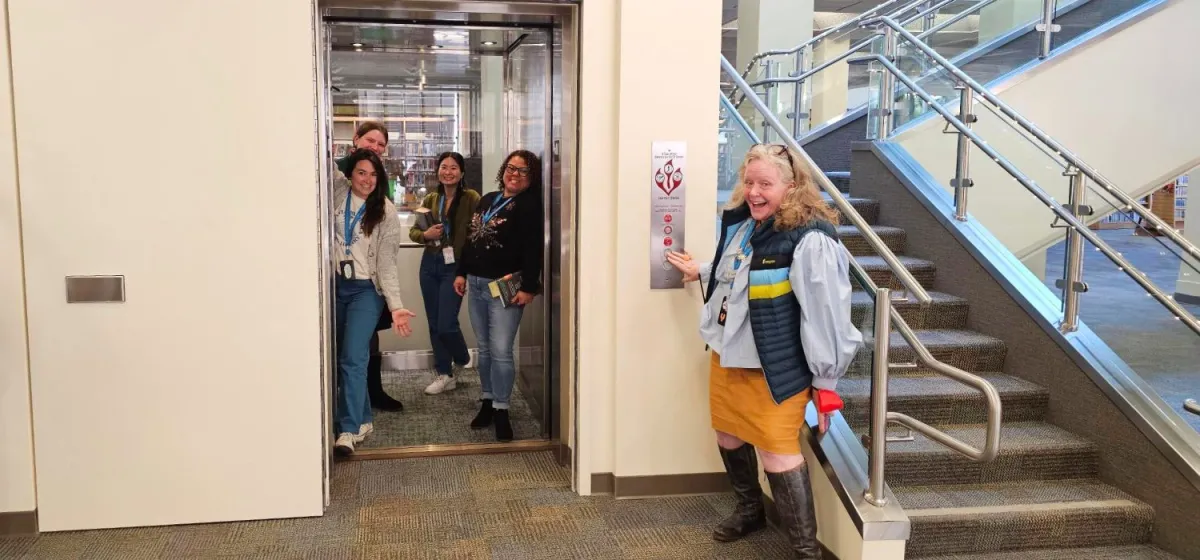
{"x": 173, "y": 143}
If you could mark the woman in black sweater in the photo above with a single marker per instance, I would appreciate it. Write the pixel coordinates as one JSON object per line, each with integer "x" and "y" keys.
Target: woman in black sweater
{"x": 501, "y": 267}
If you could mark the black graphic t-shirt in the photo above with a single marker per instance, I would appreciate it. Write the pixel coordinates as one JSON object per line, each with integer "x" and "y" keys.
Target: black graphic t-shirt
{"x": 506, "y": 236}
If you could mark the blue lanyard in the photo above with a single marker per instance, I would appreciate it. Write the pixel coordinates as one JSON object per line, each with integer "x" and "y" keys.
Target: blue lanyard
{"x": 743, "y": 252}
{"x": 445, "y": 218}
{"x": 500, "y": 203}
{"x": 350, "y": 226}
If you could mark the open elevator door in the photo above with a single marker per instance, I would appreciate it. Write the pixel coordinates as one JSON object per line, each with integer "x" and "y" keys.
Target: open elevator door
{"x": 539, "y": 99}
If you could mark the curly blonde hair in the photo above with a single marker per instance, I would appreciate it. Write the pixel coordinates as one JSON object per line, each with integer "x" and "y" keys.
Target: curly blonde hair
{"x": 802, "y": 204}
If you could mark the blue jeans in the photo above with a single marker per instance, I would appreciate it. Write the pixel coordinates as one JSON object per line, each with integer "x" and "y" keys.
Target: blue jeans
{"x": 496, "y": 328}
{"x": 358, "y": 310}
{"x": 442, "y": 304}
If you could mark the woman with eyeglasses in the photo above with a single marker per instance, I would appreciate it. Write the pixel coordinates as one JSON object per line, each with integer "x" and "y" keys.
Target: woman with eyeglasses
{"x": 451, "y": 207}
{"x": 373, "y": 135}
{"x": 367, "y": 234}
{"x": 777, "y": 318}
{"x": 501, "y": 268}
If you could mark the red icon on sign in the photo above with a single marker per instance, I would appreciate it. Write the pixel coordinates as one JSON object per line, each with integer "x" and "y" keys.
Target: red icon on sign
{"x": 667, "y": 218}
{"x": 667, "y": 230}
{"x": 668, "y": 242}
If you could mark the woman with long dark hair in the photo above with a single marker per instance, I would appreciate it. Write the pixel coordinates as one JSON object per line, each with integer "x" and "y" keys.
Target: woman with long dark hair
{"x": 777, "y": 318}
{"x": 366, "y": 238}
{"x": 450, "y": 208}
{"x": 501, "y": 266}
{"x": 373, "y": 135}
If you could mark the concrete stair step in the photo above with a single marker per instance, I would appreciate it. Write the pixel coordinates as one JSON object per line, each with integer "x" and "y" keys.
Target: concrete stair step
{"x": 979, "y": 518}
{"x": 944, "y": 312}
{"x": 1029, "y": 451}
{"x": 1135, "y": 552}
{"x": 964, "y": 349}
{"x": 854, "y": 240}
{"x": 939, "y": 400}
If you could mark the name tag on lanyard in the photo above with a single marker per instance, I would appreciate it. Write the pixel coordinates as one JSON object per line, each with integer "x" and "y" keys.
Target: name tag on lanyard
{"x": 448, "y": 248}
{"x": 350, "y": 227}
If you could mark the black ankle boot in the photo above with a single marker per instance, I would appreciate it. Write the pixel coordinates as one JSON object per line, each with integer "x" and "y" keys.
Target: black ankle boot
{"x": 792, "y": 492}
{"x": 749, "y": 516}
{"x": 484, "y": 418}
{"x": 504, "y": 431}
{"x": 379, "y": 399}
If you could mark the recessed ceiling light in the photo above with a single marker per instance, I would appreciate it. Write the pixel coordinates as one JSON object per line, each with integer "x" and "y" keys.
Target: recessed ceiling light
{"x": 489, "y": 43}
{"x": 357, "y": 45}
{"x": 435, "y": 46}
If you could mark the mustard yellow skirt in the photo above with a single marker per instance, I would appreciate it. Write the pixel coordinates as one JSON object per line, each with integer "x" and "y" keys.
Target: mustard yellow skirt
{"x": 742, "y": 407}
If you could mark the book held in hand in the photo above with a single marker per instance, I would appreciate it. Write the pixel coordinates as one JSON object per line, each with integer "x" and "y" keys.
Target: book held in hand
{"x": 506, "y": 288}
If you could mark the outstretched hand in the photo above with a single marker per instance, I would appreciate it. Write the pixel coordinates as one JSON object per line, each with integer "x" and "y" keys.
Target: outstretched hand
{"x": 400, "y": 319}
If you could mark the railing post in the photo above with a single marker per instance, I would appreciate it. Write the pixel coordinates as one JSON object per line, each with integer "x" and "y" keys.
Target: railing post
{"x": 799, "y": 99}
{"x": 1192, "y": 406}
{"x": 962, "y": 168}
{"x": 768, "y": 95}
{"x": 887, "y": 86}
{"x": 1047, "y": 27}
{"x": 930, "y": 18}
{"x": 879, "y": 397}
{"x": 1072, "y": 283}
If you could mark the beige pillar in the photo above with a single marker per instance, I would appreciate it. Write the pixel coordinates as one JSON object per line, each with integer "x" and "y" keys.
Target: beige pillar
{"x": 770, "y": 25}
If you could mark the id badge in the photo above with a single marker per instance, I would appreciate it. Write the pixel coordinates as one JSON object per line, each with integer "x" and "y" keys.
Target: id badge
{"x": 448, "y": 254}
{"x": 347, "y": 269}
{"x": 724, "y": 312}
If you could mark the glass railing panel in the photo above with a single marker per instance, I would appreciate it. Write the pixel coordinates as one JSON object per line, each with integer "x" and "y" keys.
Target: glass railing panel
{"x": 1156, "y": 345}
{"x": 734, "y": 139}
{"x": 932, "y": 78}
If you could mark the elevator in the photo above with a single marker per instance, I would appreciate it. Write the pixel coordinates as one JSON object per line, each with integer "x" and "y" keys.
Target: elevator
{"x": 481, "y": 79}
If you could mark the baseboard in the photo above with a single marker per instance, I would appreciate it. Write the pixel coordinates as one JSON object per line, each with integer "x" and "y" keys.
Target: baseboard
{"x": 18, "y": 523}
{"x": 659, "y": 485}
{"x": 1187, "y": 298}
{"x": 564, "y": 455}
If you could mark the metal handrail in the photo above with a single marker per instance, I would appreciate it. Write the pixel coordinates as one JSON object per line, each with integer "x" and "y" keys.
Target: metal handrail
{"x": 1069, "y": 156}
{"x": 1192, "y": 406}
{"x": 1066, "y": 216}
{"x": 906, "y": 278}
{"x": 885, "y": 317}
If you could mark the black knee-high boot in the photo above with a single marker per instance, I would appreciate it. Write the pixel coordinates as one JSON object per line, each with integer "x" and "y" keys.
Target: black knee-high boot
{"x": 749, "y": 516}
{"x": 792, "y": 492}
{"x": 379, "y": 399}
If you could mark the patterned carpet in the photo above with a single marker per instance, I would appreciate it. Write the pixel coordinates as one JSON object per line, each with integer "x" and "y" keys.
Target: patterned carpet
{"x": 515, "y": 506}
{"x": 444, "y": 418}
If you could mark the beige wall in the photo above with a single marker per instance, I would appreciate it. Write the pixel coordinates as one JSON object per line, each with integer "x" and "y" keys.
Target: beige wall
{"x": 643, "y": 373}
{"x": 175, "y": 144}
{"x": 16, "y": 437}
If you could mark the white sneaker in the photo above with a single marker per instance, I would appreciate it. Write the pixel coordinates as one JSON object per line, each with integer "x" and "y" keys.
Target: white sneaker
{"x": 344, "y": 445}
{"x": 441, "y": 384}
{"x": 364, "y": 431}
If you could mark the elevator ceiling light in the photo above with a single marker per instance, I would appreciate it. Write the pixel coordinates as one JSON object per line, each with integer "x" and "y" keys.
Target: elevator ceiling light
{"x": 489, "y": 43}
{"x": 357, "y": 45}
{"x": 435, "y": 46}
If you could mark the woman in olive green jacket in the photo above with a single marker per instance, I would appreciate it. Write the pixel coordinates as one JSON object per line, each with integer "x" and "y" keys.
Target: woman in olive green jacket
{"x": 449, "y": 210}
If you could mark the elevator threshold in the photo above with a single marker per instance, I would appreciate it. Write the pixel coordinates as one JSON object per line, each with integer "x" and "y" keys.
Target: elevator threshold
{"x": 451, "y": 449}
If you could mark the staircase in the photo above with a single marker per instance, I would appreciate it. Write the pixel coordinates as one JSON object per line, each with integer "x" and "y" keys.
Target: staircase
{"x": 1040, "y": 499}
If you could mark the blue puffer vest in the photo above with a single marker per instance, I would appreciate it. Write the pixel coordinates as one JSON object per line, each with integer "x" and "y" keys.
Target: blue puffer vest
{"x": 774, "y": 311}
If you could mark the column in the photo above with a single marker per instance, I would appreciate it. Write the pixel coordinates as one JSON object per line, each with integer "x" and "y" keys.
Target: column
{"x": 830, "y": 96}
{"x": 770, "y": 25}
{"x": 491, "y": 118}
{"x": 1187, "y": 289}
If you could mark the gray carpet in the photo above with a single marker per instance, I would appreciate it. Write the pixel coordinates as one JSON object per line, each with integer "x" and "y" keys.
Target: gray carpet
{"x": 1139, "y": 329}
{"x": 501, "y": 507}
{"x": 444, "y": 418}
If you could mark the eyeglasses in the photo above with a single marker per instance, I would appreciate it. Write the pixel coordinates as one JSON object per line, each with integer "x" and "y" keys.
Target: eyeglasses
{"x": 783, "y": 151}
{"x": 512, "y": 169}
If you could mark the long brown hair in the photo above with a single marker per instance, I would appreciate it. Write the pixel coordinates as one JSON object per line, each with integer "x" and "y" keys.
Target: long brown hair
{"x": 375, "y": 201}
{"x": 802, "y": 203}
{"x": 369, "y": 126}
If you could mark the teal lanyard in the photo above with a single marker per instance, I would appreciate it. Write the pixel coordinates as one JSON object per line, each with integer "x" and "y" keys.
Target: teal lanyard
{"x": 496, "y": 207}
{"x": 352, "y": 226}
{"x": 744, "y": 251}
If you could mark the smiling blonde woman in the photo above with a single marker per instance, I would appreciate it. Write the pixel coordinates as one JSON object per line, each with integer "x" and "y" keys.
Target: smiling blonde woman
{"x": 777, "y": 318}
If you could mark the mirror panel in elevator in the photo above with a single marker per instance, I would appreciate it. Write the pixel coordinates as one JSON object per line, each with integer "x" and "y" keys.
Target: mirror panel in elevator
{"x": 482, "y": 91}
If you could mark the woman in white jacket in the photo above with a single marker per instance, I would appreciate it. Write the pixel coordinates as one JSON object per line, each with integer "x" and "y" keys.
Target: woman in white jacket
{"x": 367, "y": 234}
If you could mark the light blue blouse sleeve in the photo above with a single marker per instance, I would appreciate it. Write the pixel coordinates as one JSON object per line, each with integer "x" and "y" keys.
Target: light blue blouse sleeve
{"x": 820, "y": 277}
{"x": 705, "y": 271}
